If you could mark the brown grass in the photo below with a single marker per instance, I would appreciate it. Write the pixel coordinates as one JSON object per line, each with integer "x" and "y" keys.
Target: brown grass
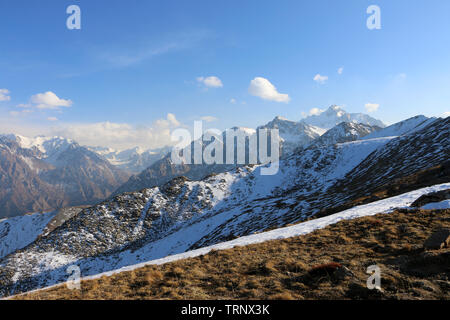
{"x": 289, "y": 269}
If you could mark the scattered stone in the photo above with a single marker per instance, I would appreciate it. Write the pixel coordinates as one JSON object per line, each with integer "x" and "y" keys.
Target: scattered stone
{"x": 431, "y": 198}
{"x": 440, "y": 239}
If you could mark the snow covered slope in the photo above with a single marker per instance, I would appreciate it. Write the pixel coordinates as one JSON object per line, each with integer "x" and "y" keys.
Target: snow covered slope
{"x": 183, "y": 215}
{"x": 381, "y": 206}
{"x": 403, "y": 127}
{"x": 18, "y": 232}
{"x": 292, "y": 134}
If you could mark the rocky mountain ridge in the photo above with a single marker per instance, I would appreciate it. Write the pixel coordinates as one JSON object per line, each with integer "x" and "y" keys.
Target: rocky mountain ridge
{"x": 183, "y": 215}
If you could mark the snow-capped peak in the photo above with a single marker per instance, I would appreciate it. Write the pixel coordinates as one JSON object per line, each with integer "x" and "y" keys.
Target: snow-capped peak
{"x": 335, "y": 114}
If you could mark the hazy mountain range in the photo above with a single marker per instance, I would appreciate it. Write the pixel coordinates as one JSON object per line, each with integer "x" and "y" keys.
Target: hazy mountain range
{"x": 45, "y": 173}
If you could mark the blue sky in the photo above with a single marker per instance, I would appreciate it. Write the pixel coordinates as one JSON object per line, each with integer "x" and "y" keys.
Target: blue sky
{"x": 134, "y": 62}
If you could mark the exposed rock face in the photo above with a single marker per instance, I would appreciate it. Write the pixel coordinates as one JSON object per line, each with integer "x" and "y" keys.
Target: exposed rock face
{"x": 431, "y": 198}
{"x": 345, "y": 132}
{"x": 37, "y": 179}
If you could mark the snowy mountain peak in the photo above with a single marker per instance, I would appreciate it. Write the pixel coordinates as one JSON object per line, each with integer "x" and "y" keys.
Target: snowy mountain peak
{"x": 335, "y": 114}
{"x": 46, "y": 145}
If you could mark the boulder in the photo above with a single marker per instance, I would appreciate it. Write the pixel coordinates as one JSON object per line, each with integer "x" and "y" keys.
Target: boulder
{"x": 440, "y": 239}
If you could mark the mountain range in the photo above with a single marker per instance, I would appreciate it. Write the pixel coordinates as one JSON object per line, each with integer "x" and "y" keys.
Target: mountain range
{"x": 350, "y": 164}
{"x": 49, "y": 173}
{"x": 44, "y": 173}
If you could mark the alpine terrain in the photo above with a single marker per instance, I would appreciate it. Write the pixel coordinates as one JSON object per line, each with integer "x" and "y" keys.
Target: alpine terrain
{"x": 338, "y": 174}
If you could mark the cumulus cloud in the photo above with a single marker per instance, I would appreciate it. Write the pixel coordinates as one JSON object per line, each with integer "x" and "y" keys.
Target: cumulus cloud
{"x": 49, "y": 100}
{"x": 4, "y": 95}
{"x": 210, "y": 82}
{"x": 209, "y": 118}
{"x": 372, "y": 107}
{"x": 233, "y": 101}
{"x": 120, "y": 135}
{"x": 340, "y": 70}
{"x": 315, "y": 111}
{"x": 262, "y": 88}
{"x": 320, "y": 79}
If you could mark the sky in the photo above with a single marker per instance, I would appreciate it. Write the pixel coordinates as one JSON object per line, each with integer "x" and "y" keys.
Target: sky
{"x": 138, "y": 69}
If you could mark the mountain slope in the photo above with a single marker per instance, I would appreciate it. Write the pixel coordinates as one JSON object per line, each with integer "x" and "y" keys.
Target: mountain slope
{"x": 184, "y": 215}
{"x": 49, "y": 173}
{"x": 22, "y": 190}
{"x": 403, "y": 127}
{"x": 345, "y": 132}
{"x": 293, "y": 268}
{"x": 292, "y": 134}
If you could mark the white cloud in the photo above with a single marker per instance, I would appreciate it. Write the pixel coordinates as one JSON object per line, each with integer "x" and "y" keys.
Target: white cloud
{"x": 210, "y": 82}
{"x": 172, "y": 120}
{"x": 48, "y": 100}
{"x": 315, "y": 111}
{"x": 209, "y": 118}
{"x": 4, "y": 95}
{"x": 52, "y": 119}
{"x": 20, "y": 113}
{"x": 372, "y": 107}
{"x": 446, "y": 114}
{"x": 340, "y": 70}
{"x": 120, "y": 135}
{"x": 262, "y": 88}
{"x": 320, "y": 79}
{"x": 233, "y": 101}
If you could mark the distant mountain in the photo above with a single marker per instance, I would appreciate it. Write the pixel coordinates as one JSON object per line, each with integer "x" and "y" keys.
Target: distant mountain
{"x": 21, "y": 188}
{"x": 133, "y": 160}
{"x": 182, "y": 215}
{"x": 335, "y": 115}
{"x": 345, "y": 132}
{"x": 49, "y": 173}
{"x": 292, "y": 134}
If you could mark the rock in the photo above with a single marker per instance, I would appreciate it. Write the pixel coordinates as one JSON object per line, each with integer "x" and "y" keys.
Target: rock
{"x": 431, "y": 198}
{"x": 343, "y": 273}
{"x": 440, "y": 239}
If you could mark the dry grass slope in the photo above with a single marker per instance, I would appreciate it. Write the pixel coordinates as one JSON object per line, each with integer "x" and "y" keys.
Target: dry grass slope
{"x": 327, "y": 264}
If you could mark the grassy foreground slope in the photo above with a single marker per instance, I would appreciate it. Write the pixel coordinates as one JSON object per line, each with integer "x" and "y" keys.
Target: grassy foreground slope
{"x": 329, "y": 263}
